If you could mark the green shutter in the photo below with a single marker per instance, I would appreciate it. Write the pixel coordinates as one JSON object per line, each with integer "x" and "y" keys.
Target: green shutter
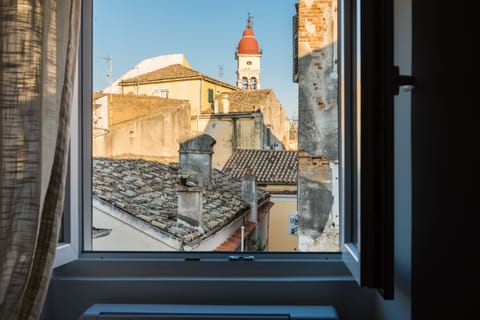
{"x": 210, "y": 95}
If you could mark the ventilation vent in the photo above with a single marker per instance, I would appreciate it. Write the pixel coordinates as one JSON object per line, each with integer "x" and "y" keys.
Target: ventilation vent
{"x": 214, "y": 312}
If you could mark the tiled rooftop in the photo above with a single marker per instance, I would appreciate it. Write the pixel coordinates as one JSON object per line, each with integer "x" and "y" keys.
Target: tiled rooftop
{"x": 268, "y": 166}
{"x": 246, "y": 100}
{"x": 147, "y": 190}
{"x": 172, "y": 72}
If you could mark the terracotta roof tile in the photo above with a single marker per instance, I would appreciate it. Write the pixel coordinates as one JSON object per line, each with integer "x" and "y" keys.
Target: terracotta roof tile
{"x": 174, "y": 72}
{"x": 247, "y": 100}
{"x": 147, "y": 191}
{"x": 268, "y": 166}
{"x": 234, "y": 241}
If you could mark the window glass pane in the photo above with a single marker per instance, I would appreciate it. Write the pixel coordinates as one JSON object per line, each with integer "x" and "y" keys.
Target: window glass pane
{"x": 191, "y": 155}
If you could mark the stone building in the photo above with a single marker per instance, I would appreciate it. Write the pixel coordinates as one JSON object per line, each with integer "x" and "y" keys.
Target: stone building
{"x": 315, "y": 70}
{"x": 247, "y": 119}
{"x": 138, "y": 126}
{"x": 276, "y": 172}
{"x": 178, "y": 81}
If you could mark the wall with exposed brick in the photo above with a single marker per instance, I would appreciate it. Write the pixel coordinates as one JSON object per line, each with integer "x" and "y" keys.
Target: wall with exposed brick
{"x": 318, "y": 125}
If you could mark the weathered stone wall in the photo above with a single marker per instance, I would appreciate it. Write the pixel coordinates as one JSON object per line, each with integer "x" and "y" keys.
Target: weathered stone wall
{"x": 186, "y": 90}
{"x": 153, "y": 136}
{"x": 276, "y": 119}
{"x": 228, "y": 130}
{"x": 318, "y": 125}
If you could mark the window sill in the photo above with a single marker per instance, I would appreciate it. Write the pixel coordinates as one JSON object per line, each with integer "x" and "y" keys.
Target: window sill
{"x": 209, "y": 267}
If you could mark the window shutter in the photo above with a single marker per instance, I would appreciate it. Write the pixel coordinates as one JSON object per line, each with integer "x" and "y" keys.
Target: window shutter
{"x": 210, "y": 95}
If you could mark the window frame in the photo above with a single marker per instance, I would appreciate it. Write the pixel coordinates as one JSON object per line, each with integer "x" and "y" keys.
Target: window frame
{"x": 367, "y": 92}
{"x": 353, "y": 260}
{"x": 68, "y": 249}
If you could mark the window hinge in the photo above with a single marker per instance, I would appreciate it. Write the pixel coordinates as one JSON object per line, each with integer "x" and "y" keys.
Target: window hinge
{"x": 406, "y": 82}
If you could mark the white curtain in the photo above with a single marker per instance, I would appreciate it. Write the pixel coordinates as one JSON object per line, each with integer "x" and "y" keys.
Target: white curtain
{"x": 38, "y": 52}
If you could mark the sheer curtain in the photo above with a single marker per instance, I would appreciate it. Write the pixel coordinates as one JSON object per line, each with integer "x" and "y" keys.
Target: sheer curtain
{"x": 38, "y": 52}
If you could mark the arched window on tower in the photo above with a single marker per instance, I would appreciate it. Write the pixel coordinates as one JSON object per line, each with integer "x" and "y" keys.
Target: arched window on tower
{"x": 244, "y": 83}
{"x": 253, "y": 83}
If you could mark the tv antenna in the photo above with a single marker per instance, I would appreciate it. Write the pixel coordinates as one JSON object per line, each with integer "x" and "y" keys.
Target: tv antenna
{"x": 220, "y": 71}
{"x": 109, "y": 76}
{"x": 110, "y": 71}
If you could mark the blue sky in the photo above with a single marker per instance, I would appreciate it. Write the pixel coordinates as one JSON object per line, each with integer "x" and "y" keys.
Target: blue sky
{"x": 207, "y": 32}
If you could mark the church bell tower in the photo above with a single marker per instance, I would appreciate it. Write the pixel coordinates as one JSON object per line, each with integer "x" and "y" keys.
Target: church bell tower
{"x": 248, "y": 58}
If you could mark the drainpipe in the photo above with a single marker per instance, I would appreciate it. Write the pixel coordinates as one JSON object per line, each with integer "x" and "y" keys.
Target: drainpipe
{"x": 201, "y": 96}
{"x": 242, "y": 240}
{"x": 249, "y": 195}
{"x": 234, "y": 133}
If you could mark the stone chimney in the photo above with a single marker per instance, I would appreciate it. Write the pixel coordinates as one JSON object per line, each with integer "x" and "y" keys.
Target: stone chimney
{"x": 196, "y": 156}
{"x": 225, "y": 102}
{"x": 190, "y": 199}
{"x": 249, "y": 194}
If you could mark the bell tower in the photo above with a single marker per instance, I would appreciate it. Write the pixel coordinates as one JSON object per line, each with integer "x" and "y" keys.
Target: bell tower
{"x": 248, "y": 58}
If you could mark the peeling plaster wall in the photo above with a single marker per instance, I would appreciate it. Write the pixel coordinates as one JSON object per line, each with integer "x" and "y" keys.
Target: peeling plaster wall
{"x": 186, "y": 90}
{"x": 276, "y": 119}
{"x": 243, "y": 131}
{"x": 318, "y": 125}
{"x": 153, "y": 136}
{"x": 247, "y": 135}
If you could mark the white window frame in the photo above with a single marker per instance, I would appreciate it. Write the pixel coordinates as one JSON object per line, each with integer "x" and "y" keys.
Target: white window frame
{"x": 279, "y": 266}
{"x": 68, "y": 248}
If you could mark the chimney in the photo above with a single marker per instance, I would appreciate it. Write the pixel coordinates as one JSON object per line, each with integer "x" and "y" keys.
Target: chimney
{"x": 225, "y": 102}
{"x": 196, "y": 156}
{"x": 190, "y": 199}
{"x": 249, "y": 194}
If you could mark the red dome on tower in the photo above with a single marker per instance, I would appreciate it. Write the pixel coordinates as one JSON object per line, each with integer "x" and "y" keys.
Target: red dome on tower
{"x": 248, "y": 44}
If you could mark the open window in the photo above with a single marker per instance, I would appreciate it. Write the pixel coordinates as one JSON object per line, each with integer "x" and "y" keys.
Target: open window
{"x": 367, "y": 136}
{"x": 365, "y": 164}
{"x": 68, "y": 247}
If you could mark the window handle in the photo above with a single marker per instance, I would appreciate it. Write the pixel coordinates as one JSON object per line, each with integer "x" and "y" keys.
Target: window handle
{"x": 406, "y": 82}
{"x": 241, "y": 258}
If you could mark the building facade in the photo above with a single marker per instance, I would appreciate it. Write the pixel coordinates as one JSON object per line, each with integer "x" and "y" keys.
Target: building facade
{"x": 126, "y": 126}
{"x": 247, "y": 119}
{"x": 185, "y": 206}
{"x": 274, "y": 171}
{"x": 178, "y": 82}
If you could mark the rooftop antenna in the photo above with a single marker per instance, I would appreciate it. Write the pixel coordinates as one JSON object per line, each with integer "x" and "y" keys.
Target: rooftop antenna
{"x": 220, "y": 71}
{"x": 137, "y": 68}
{"x": 110, "y": 89}
{"x": 110, "y": 71}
